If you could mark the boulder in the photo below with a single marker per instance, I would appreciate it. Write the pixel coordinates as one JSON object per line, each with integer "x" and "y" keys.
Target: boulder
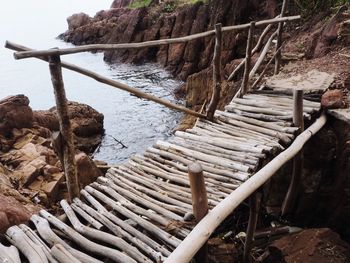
{"x": 87, "y": 169}
{"x": 47, "y": 119}
{"x": 85, "y": 120}
{"x": 15, "y": 113}
{"x": 333, "y": 99}
{"x": 12, "y": 212}
{"x": 77, "y": 20}
{"x": 311, "y": 245}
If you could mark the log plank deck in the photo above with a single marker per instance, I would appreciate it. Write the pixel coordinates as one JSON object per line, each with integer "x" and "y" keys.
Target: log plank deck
{"x": 141, "y": 211}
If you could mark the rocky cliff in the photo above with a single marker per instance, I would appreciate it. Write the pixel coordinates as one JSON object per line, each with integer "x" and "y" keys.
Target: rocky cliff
{"x": 123, "y": 25}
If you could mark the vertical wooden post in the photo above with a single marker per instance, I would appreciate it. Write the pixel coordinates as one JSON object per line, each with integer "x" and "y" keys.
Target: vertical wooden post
{"x": 215, "y": 98}
{"x": 248, "y": 60}
{"x": 279, "y": 38}
{"x": 298, "y": 120}
{"x": 254, "y": 207}
{"x": 199, "y": 202}
{"x": 70, "y": 169}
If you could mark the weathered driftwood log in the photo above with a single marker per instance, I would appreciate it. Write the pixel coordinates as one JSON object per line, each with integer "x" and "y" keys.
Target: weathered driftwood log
{"x": 88, "y": 245}
{"x": 140, "y": 200}
{"x": 173, "y": 208}
{"x": 34, "y": 237}
{"x": 211, "y": 183}
{"x": 151, "y": 180}
{"x": 211, "y": 150}
{"x": 269, "y": 125}
{"x": 280, "y": 97}
{"x": 43, "y": 227}
{"x": 276, "y": 104}
{"x": 118, "y": 231}
{"x": 283, "y": 136}
{"x": 243, "y": 133}
{"x": 199, "y": 202}
{"x": 29, "y": 249}
{"x": 262, "y": 55}
{"x": 255, "y": 49}
{"x": 68, "y": 149}
{"x": 215, "y": 98}
{"x": 183, "y": 192}
{"x": 9, "y": 254}
{"x": 181, "y": 167}
{"x": 87, "y": 217}
{"x": 156, "y": 194}
{"x": 128, "y": 228}
{"x": 154, "y": 230}
{"x": 101, "y": 236}
{"x": 292, "y": 193}
{"x": 187, "y": 162}
{"x": 254, "y": 207}
{"x": 221, "y": 143}
{"x": 279, "y": 37}
{"x": 133, "y": 212}
{"x": 248, "y": 59}
{"x": 205, "y": 132}
{"x": 63, "y": 255}
{"x": 205, "y": 157}
{"x": 262, "y": 74}
{"x": 199, "y": 235}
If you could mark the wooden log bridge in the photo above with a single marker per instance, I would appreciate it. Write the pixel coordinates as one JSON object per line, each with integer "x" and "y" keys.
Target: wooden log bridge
{"x": 163, "y": 205}
{"x": 141, "y": 211}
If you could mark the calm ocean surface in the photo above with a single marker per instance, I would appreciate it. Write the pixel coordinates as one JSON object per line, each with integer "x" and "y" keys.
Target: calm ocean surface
{"x": 135, "y": 122}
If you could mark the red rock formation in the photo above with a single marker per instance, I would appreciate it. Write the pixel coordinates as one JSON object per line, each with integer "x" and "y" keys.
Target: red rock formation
{"x": 311, "y": 245}
{"x": 15, "y": 113}
{"x": 333, "y": 99}
{"x": 12, "y": 213}
{"x": 77, "y": 20}
{"x": 122, "y": 25}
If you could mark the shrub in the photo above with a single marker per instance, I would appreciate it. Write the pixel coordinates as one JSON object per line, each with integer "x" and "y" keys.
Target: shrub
{"x": 309, "y": 7}
{"x": 140, "y": 3}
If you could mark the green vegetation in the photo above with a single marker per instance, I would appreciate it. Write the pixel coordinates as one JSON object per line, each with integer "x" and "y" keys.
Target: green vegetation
{"x": 168, "y": 5}
{"x": 310, "y": 7}
{"x": 140, "y": 3}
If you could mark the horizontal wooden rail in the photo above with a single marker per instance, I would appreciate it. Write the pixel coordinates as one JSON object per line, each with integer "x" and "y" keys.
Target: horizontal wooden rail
{"x": 113, "y": 83}
{"x": 153, "y": 43}
{"x": 202, "y": 231}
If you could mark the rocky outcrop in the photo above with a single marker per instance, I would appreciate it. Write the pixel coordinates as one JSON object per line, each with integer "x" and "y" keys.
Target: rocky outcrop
{"x": 12, "y": 212}
{"x": 311, "y": 245}
{"x": 30, "y": 170}
{"x": 77, "y": 20}
{"x": 123, "y": 25}
{"x": 15, "y": 113}
{"x": 333, "y": 99}
{"x": 86, "y": 122}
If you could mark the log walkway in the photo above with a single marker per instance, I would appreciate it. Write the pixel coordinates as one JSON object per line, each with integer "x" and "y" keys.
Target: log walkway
{"x": 141, "y": 211}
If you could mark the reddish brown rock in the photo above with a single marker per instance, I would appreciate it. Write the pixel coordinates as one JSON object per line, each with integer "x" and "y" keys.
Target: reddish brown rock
{"x": 123, "y": 25}
{"x": 77, "y": 20}
{"x": 333, "y": 99}
{"x": 85, "y": 120}
{"x": 87, "y": 169}
{"x": 311, "y": 245}
{"x": 12, "y": 213}
{"x": 47, "y": 119}
{"x": 15, "y": 113}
